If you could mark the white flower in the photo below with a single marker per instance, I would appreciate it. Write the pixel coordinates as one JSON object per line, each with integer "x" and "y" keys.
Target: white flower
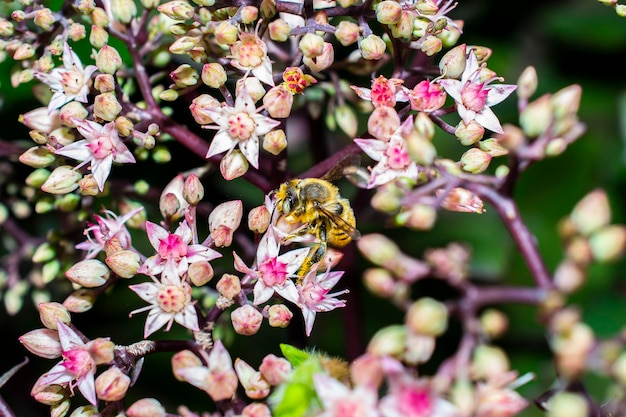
{"x": 474, "y": 97}
{"x": 239, "y": 126}
{"x": 68, "y": 83}
{"x": 170, "y": 301}
{"x": 315, "y": 296}
{"x": 101, "y": 147}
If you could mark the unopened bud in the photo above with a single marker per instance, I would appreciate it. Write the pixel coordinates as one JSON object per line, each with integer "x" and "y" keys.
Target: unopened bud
{"x": 23, "y": 52}
{"x": 311, "y": 45}
{"x": 527, "y": 83}
{"x": 279, "y": 30}
{"x": 88, "y": 273}
{"x": 418, "y": 217}
{"x": 347, "y": 32}
{"x": 372, "y": 47}
{"x": 233, "y": 165}
{"x": 42, "y": 342}
{"x": 278, "y": 102}
{"x": 193, "y": 191}
{"x": 200, "y": 273}
{"x": 50, "y": 313}
{"x": 388, "y": 12}
{"x": 199, "y": 107}
{"x": 452, "y": 64}
{"x": 64, "y": 179}
{"x": 213, "y": 75}
{"x": 380, "y": 282}
{"x": 99, "y": 17}
{"x": 177, "y": 10}
{"x": 37, "y": 177}
{"x": 112, "y": 384}
{"x": 124, "y": 263}
{"x": 537, "y": 117}
{"x": 184, "y": 76}
{"x": 246, "y": 320}
{"x": 569, "y": 276}
{"x": 229, "y": 286}
{"x": 475, "y": 161}
{"x": 469, "y": 133}
{"x": 254, "y": 385}
{"x": 489, "y": 362}
{"x": 225, "y": 217}
{"x": 106, "y": 106}
{"x": 279, "y": 315}
{"x": 146, "y": 407}
{"x": 226, "y": 33}
{"x": 388, "y": 341}
{"x": 184, "y": 359}
{"x": 427, "y": 316}
{"x": 493, "y": 323}
{"x": 608, "y": 243}
{"x": 80, "y": 301}
{"x": 98, "y": 37}
{"x": 567, "y": 404}
{"x": 123, "y": 10}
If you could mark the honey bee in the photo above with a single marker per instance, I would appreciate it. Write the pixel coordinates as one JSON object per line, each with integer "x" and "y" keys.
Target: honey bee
{"x": 316, "y": 205}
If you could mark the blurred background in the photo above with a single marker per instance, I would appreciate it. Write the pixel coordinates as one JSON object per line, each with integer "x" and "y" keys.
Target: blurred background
{"x": 568, "y": 42}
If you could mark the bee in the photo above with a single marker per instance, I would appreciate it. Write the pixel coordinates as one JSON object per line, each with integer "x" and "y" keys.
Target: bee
{"x": 317, "y": 206}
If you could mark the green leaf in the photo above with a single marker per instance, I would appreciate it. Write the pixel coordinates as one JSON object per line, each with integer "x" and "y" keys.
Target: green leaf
{"x": 293, "y": 354}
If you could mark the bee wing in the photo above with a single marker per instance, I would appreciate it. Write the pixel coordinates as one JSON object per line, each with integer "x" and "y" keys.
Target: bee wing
{"x": 341, "y": 223}
{"x": 343, "y": 167}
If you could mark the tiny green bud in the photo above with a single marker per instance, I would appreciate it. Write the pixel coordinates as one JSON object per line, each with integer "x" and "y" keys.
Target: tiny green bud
{"x": 177, "y": 10}
{"x": 427, "y": 316}
{"x": 37, "y": 177}
{"x": 537, "y": 117}
{"x": 452, "y": 64}
{"x": 44, "y": 253}
{"x": 106, "y": 106}
{"x": 608, "y": 243}
{"x": 108, "y": 60}
{"x": 372, "y": 47}
{"x": 475, "y": 161}
{"x": 64, "y": 179}
{"x": 527, "y": 83}
{"x": 592, "y": 212}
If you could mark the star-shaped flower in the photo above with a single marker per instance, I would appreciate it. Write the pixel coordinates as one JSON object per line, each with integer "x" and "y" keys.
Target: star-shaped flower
{"x": 249, "y": 54}
{"x": 78, "y": 366}
{"x": 68, "y": 83}
{"x": 170, "y": 301}
{"x": 241, "y": 126}
{"x": 339, "y": 400}
{"x": 106, "y": 227}
{"x": 474, "y": 96}
{"x": 392, "y": 156}
{"x": 175, "y": 248}
{"x": 315, "y": 296}
{"x": 384, "y": 92}
{"x": 274, "y": 271}
{"x": 101, "y": 147}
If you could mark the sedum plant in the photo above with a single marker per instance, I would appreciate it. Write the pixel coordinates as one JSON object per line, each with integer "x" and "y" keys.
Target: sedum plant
{"x": 267, "y": 105}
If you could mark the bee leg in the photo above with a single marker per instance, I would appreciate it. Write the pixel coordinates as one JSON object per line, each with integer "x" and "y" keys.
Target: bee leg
{"x": 315, "y": 254}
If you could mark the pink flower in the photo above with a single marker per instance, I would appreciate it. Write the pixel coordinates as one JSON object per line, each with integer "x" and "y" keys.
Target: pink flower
{"x": 392, "y": 156}
{"x": 78, "y": 366}
{"x": 68, "y": 83}
{"x": 274, "y": 271}
{"x": 249, "y": 54}
{"x": 427, "y": 96}
{"x": 174, "y": 247}
{"x": 384, "y": 92}
{"x": 474, "y": 96}
{"x": 241, "y": 126}
{"x": 340, "y": 401}
{"x": 170, "y": 301}
{"x": 411, "y": 397}
{"x": 315, "y": 296}
{"x": 101, "y": 147}
{"x": 107, "y": 227}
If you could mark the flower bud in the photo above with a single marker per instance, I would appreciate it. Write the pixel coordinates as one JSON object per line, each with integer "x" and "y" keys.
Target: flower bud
{"x": 198, "y": 108}
{"x": 388, "y": 341}
{"x": 88, "y": 273}
{"x": 462, "y": 200}
{"x": 40, "y": 119}
{"x": 76, "y": 32}
{"x": 80, "y": 301}
{"x": 233, "y": 165}
{"x": 249, "y": 14}
{"x": 452, "y": 64}
{"x": 569, "y": 276}
{"x": 6, "y": 28}
{"x": 279, "y": 315}
{"x": 567, "y": 404}
{"x": 183, "y": 45}
{"x": 226, "y": 33}
{"x": 23, "y": 52}
{"x": 246, "y": 320}
{"x": 278, "y": 102}
{"x": 279, "y": 30}
{"x": 184, "y": 76}
{"x": 213, "y": 75}
{"x": 112, "y": 384}
{"x": 184, "y": 359}
{"x": 618, "y": 369}
{"x": 98, "y": 37}
{"x": 64, "y": 179}
{"x": 146, "y": 407}
{"x": 274, "y": 369}
{"x": 380, "y": 282}
{"x": 489, "y": 362}
{"x": 252, "y": 381}
{"x": 418, "y": 217}
{"x": 475, "y": 161}
{"x": 608, "y": 243}
{"x": 431, "y": 45}
{"x": 42, "y": 342}
{"x": 493, "y": 323}
{"x": 311, "y": 45}
{"x": 256, "y": 410}
{"x": 123, "y": 10}
{"x": 383, "y": 122}
{"x": 72, "y": 110}
{"x": 592, "y": 212}
{"x": 224, "y": 220}
{"x": 493, "y": 147}
{"x": 51, "y": 313}
{"x": 193, "y": 191}
{"x": 200, "y": 273}
{"x": 537, "y": 117}
{"x": 372, "y": 47}
{"x": 229, "y": 286}
{"x": 124, "y": 263}
{"x": 427, "y": 316}
{"x": 388, "y": 12}
{"x": 347, "y": 32}
{"x": 566, "y": 101}
{"x": 469, "y": 133}
{"x": 347, "y": 120}
{"x": 177, "y": 10}
{"x": 50, "y": 394}
{"x": 259, "y": 219}
{"x": 106, "y": 106}
{"x": 105, "y": 83}
{"x": 527, "y": 83}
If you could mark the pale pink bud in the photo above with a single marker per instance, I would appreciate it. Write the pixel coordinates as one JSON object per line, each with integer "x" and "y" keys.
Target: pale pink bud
{"x": 489, "y": 362}
{"x": 51, "y": 313}
{"x": 229, "y": 286}
{"x": 527, "y": 83}
{"x": 108, "y": 60}
{"x": 88, "y": 185}
{"x": 279, "y": 315}
{"x": 124, "y": 263}
{"x": 64, "y": 179}
{"x": 80, "y": 301}
{"x": 608, "y": 243}
{"x": 76, "y": 32}
{"x": 383, "y": 122}
{"x": 427, "y": 97}
{"x": 322, "y": 61}
{"x": 469, "y": 133}
{"x": 431, "y": 45}
{"x": 106, "y": 106}
{"x": 275, "y": 141}
{"x": 184, "y": 359}
{"x": 380, "y": 282}
{"x": 493, "y": 323}
{"x": 475, "y": 161}
{"x": 592, "y": 212}
{"x": 49, "y": 394}
{"x": 198, "y": 108}
{"x": 24, "y": 51}
{"x": 256, "y": 410}
{"x": 226, "y": 33}
{"x": 105, "y": 83}
{"x": 253, "y": 383}
{"x": 347, "y": 32}
{"x": 259, "y": 219}
{"x": 40, "y": 119}
{"x": 102, "y": 350}
{"x": 366, "y": 370}
{"x": 42, "y": 342}
{"x": 184, "y": 76}
{"x": 98, "y": 36}
{"x": 213, "y": 74}
{"x": 427, "y": 316}
{"x": 388, "y": 12}
{"x": 275, "y": 370}
{"x": 112, "y": 384}
{"x": 88, "y": 273}
{"x": 246, "y": 320}
{"x": 169, "y": 205}
{"x": 146, "y": 407}
{"x": 253, "y": 86}
{"x": 37, "y": 157}
{"x": 452, "y": 64}
{"x": 418, "y": 217}
{"x": 249, "y": 14}
{"x": 372, "y": 47}
{"x": 225, "y": 219}
{"x": 233, "y": 165}
{"x": 279, "y": 30}
{"x": 72, "y": 110}
{"x": 193, "y": 191}
{"x": 311, "y": 45}
{"x": 278, "y": 101}
{"x": 177, "y": 10}
{"x": 388, "y": 341}
{"x": 200, "y": 273}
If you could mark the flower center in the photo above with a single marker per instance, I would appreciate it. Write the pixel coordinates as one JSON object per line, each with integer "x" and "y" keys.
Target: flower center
{"x": 273, "y": 272}
{"x": 78, "y": 362}
{"x": 474, "y": 97}
{"x": 101, "y": 147}
{"x": 397, "y": 157}
{"x": 241, "y": 126}
{"x": 248, "y": 51}
{"x": 348, "y": 408}
{"x": 172, "y": 299}
{"x": 172, "y": 247}
{"x": 414, "y": 402}
{"x": 383, "y": 94}
{"x": 72, "y": 81}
